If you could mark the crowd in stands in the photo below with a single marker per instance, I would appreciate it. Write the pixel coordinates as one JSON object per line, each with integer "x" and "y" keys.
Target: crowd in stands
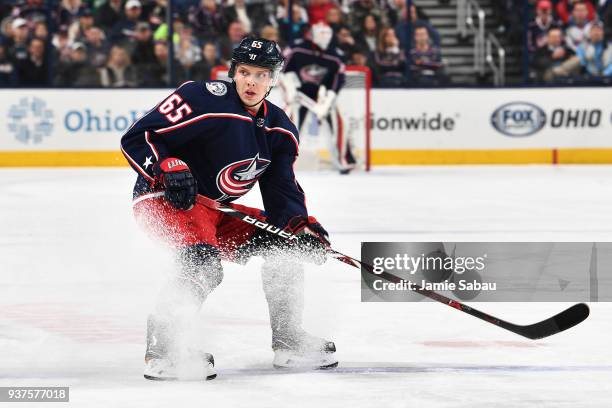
{"x": 571, "y": 41}
{"x": 124, "y": 43}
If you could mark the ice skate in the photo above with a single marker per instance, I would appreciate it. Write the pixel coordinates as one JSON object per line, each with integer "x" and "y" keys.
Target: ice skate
{"x": 302, "y": 350}
{"x": 164, "y": 365}
{"x": 199, "y": 367}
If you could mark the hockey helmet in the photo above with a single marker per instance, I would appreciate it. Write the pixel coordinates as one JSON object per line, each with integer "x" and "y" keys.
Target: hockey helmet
{"x": 260, "y": 53}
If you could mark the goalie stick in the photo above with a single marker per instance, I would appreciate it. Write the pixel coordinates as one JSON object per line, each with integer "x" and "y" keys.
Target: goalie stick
{"x": 548, "y": 327}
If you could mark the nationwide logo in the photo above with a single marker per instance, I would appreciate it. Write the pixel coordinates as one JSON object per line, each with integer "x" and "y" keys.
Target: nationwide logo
{"x": 238, "y": 178}
{"x": 30, "y": 121}
{"x": 518, "y": 119}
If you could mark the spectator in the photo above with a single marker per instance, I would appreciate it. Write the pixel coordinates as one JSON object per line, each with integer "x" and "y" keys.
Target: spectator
{"x": 270, "y": 33}
{"x": 578, "y": 28}
{"x": 427, "y": 67}
{"x": 31, "y": 10}
{"x": 34, "y": 71}
{"x": 118, "y": 72}
{"x": 201, "y": 70}
{"x": 237, "y": 10}
{"x": 161, "y": 34}
{"x": 97, "y": 47}
{"x": 367, "y": 35}
{"x": 360, "y": 59}
{"x": 40, "y": 30}
{"x": 362, "y": 8}
{"x": 61, "y": 46}
{"x": 76, "y": 31}
{"x": 565, "y": 10}
{"x": 8, "y": 75}
{"x": 296, "y": 30}
{"x": 596, "y": 54}
{"x": 208, "y": 20}
{"x": 393, "y": 10}
{"x": 345, "y": 41}
{"x": 405, "y": 31}
{"x": 210, "y": 54}
{"x": 389, "y": 59}
{"x": 157, "y": 14}
{"x": 77, "y": 71}
{"x": 187, "y": 50}
{"x": 18, "y": 50}
{"x": 593, "y": 55}
{"x": 157, "y": 74}
{"x": 551, "y": 55}
{"x": 123, "y": 31}
{"x": 537, "y": 29}
{"x": 69, "y": 12}
{"x": 108, "y": 14}
{"x": 334, "y": 18}
{"x": 317, "y": 10}
{"x": 143, "y": 53}
{"x": 235, "y": 33}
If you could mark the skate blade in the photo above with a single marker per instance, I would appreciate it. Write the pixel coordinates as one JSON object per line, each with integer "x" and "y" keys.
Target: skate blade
{"x": 315, "y": 367}
{"x": 153, "y": 378}
{"x": 310, "y": 361}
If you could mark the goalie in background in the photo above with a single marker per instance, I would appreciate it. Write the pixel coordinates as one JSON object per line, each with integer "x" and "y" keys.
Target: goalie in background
{"x": 313, "y": 77}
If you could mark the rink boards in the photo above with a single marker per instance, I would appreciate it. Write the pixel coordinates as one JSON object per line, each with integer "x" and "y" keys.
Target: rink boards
{"x": 442, "y": 126}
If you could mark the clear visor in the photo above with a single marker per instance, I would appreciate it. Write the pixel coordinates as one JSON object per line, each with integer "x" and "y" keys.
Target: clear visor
{"x": 261, "y": 77}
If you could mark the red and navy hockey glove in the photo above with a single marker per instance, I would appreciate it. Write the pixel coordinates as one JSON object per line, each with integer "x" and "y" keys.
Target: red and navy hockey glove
{"x": 313, "y": 239}
{"x": 174, "y": 176}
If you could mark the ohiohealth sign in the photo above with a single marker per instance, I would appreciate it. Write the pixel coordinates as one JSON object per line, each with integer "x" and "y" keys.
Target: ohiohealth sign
{"x": 83, "y": 120}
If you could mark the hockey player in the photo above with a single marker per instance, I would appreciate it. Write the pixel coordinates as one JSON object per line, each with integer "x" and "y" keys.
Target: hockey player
{"x": 218, "y": 139}
{"x": 313, "y": 77}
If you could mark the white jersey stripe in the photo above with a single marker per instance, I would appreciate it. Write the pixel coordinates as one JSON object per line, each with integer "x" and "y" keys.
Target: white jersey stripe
{"x": 202, "y": 117}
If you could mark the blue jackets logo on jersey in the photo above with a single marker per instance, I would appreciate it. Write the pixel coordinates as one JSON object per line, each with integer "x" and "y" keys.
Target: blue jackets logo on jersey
{"x": 313, "y": 73}
{"x": 238, "y": 178}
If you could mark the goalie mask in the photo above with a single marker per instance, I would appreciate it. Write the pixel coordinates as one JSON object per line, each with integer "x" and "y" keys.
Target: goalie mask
{"x": 260, "y": 53}
{"x": 321, "y": 35}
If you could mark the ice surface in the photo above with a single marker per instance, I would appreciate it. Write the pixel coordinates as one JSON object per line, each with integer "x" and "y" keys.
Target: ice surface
{"x": 77, "y": 279}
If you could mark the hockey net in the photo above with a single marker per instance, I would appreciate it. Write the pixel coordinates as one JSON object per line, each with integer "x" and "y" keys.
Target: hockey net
{"x": 316, "y": 142}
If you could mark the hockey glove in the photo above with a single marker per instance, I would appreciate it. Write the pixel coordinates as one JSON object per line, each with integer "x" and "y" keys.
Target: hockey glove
{"x": 174, "y": 176}
{"x": 313, "y": 239}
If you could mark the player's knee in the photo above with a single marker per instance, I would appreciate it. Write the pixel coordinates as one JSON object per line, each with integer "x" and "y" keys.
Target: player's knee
{"x": 201, "y": 268}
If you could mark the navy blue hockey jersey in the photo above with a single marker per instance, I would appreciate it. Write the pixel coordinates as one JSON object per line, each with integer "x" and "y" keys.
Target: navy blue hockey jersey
{"x": 226, "y": 148}
{"x": 315, "y": 68}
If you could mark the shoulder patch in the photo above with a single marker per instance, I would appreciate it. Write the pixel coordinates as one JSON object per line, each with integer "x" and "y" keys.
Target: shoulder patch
{"x": 216, "y": 88}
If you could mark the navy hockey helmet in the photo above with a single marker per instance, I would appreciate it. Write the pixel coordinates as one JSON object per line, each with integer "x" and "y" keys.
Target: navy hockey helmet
{"x": 260, "y": 53}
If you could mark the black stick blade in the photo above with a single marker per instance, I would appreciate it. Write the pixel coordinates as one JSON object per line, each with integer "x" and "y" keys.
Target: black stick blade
{"x": 556, "y": 324}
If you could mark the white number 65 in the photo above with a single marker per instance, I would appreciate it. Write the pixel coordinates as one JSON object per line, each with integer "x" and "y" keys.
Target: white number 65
{"x": 256, "y": 44}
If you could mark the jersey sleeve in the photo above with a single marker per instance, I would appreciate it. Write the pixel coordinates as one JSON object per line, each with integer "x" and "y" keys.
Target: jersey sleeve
{"x": 283, "y": 197}
{"x": 172, "y": 122}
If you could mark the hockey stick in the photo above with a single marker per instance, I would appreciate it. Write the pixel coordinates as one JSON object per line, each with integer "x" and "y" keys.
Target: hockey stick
{"x": 553, "y": 325}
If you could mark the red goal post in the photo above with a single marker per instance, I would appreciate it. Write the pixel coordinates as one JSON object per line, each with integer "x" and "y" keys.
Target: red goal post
{"x": 354, "y": 105}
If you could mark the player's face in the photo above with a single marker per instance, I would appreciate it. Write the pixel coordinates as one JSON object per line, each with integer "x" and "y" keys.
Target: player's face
{"x": 252, "y": 83}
